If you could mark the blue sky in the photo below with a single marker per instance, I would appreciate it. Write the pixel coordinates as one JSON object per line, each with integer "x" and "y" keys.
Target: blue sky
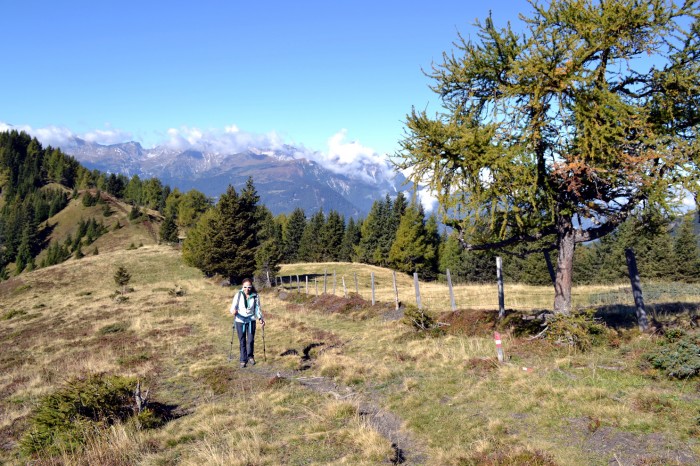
{"x": 328, "y": 75}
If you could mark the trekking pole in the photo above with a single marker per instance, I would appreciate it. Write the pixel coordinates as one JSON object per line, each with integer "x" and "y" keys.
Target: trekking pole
{"x": 230, "y": 351}
{"x": 264, "y": 351}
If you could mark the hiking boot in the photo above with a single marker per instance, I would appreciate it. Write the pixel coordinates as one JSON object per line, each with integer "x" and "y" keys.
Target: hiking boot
{"x": 242, "y": 365}
{"x": 251, "y": 361}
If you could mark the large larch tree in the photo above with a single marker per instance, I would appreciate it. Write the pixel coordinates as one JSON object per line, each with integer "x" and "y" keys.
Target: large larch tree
{"x": 553, "y": 135}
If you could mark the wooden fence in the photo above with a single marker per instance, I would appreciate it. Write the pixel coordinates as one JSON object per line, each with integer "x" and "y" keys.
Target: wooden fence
{"x": 385, "y": 285}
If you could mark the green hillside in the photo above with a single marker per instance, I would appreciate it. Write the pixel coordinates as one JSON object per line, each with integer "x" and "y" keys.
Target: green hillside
{"x": 339, "y": 381}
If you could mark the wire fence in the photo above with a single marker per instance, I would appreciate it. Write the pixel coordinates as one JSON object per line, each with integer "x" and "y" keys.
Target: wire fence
{"x": 341, "y": 279}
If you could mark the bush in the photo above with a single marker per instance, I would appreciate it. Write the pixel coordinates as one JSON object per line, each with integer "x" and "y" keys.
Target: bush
{"x": 114, "y": 328}
{"x": 421, "y": 321}
{"x": 62, "y": 419}
{"x": 578, "y": 330}
{"x": 678, "y": 355}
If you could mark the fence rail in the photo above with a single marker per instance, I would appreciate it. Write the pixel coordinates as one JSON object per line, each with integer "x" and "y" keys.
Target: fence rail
{"x": 389, "y": 286}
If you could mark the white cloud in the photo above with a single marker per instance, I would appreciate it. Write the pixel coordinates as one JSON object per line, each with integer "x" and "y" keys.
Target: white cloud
{"x": 109, "y": 136}
{"x": 57, "y": 136}
{"x": 427, "y": 198}
{"x": 352, "y": 158}
{"x": 341, "y": 155}
{"x": 228, "y": 141}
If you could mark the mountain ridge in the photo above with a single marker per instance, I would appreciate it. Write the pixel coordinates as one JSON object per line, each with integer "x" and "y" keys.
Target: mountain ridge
{"x": 286, "y": 177}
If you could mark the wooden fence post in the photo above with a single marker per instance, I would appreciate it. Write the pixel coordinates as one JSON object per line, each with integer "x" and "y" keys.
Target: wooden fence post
{"x": 396, "y": 290}
{"x": 269, "y": 283}
{"x": 372, "y": 280}
{"x": 635, "y": 281}
{"x": 415, "y": 284}
{"x": 452, "y": 293}
{"x": 345, "y": 291}
{"x": 501, "y": 298}
{"x": 307, "y": 284}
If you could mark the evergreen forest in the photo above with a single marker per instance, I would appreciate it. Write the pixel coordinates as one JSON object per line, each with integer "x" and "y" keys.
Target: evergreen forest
{"x": 238, "y": 236}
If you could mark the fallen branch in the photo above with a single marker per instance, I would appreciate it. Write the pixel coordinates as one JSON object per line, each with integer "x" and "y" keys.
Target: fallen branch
{"x": 541, "y": 334}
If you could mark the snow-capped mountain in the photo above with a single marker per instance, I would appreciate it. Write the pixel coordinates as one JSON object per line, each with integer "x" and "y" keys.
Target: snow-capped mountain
{"x": 285, "y": 177}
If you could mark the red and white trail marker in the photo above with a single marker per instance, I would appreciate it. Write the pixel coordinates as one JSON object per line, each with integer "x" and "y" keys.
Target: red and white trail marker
{"x": 499, "y": 345}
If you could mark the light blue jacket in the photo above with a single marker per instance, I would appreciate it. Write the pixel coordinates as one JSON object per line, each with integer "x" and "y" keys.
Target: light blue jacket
{"x": 248, "y": 307}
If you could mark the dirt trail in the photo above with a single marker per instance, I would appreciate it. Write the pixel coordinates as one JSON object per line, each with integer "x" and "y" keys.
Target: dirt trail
{"x": 407, "y": 450}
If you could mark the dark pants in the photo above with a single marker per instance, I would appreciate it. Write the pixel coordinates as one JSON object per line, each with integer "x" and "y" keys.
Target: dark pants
{"x": 246, "y": 338}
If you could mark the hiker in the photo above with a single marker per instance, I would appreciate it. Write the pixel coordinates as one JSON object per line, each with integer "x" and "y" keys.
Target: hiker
{"x": 245, "y": 308}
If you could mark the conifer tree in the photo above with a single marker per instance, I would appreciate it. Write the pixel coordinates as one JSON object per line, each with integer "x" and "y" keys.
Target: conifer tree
{"x": 351, "y": 238}
{"x": 369, "y": 247}
{"x": 432, "y": 236}
{"x": 331, "y": 237}
{"x": 561, "y": 132}
{"x": 293, "y": 234}
{"x": 686, "y": 251}
{"x": 412, "y": 251}
{"x": 232, "y": 234}
{"x": 168, "y": 230}
{"x": 310, "y": 246}
{"x": 196, "y": 247}
{"x": 122, "y": 277}
{"x": 191, "y": 206}
{"x": 269, "y": 254}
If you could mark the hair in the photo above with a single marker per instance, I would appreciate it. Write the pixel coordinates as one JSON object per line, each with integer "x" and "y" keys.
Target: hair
{"x": 252, "y": 285}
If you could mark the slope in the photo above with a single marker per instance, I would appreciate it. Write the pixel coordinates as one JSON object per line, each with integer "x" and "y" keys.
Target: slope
{"x": 333, "y": 366}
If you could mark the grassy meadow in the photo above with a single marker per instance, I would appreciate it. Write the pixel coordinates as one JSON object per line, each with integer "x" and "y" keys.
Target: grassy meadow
{"x": 339, "y": 381}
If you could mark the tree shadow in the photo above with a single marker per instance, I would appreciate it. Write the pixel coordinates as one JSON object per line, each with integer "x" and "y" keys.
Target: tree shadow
{"x": 44, "y": 236}
{"x": 621, "y": 316}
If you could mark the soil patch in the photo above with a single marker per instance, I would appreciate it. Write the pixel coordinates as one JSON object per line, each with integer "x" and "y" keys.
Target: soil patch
{"x": 620, "y": 447}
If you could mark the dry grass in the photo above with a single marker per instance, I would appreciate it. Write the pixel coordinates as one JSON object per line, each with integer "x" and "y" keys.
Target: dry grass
{"x": 435, "y": 295}
{"x": 458, "y": 405}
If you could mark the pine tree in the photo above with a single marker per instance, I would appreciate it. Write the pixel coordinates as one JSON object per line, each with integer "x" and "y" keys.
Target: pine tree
{"x": 269, "y": 254}
{"x": 79, "y": 252}
{"x": 192, "y": 206}
{"x": 310, "y": 245}
{"x": 233, "y": 235}
{"x": 196, "y": 247}
{"x": 432, "y": 236}
{"x": 412, "y": 251}
{"x": 351, "y": 238}
{"x": 369, "y": 247}
{"x": 122, "y": 278}
{"x": 686, "y": 252}
{"x": 293, "y": 234}
{"x": 168, "y": 230}
{"x": 331, "y": 237}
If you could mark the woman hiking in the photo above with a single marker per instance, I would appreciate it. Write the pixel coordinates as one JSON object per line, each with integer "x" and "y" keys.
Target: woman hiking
{"x": 245, "y": 308}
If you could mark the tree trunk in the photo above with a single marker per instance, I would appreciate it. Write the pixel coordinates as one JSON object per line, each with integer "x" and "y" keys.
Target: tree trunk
{"x": 565, "y": 266}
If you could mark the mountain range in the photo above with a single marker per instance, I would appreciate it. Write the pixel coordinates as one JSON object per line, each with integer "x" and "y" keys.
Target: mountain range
{"x": 285, "y": 178}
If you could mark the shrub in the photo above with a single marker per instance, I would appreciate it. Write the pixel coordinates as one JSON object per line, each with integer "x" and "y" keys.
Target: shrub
{"x": 113, "y": 328}
{"x": 13, "y": 313}
{"x": 62, "y": 419}
{"x": 678, "y": 356}
{"x": 578, "y": 330}
{"x": 421, "y": 321}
